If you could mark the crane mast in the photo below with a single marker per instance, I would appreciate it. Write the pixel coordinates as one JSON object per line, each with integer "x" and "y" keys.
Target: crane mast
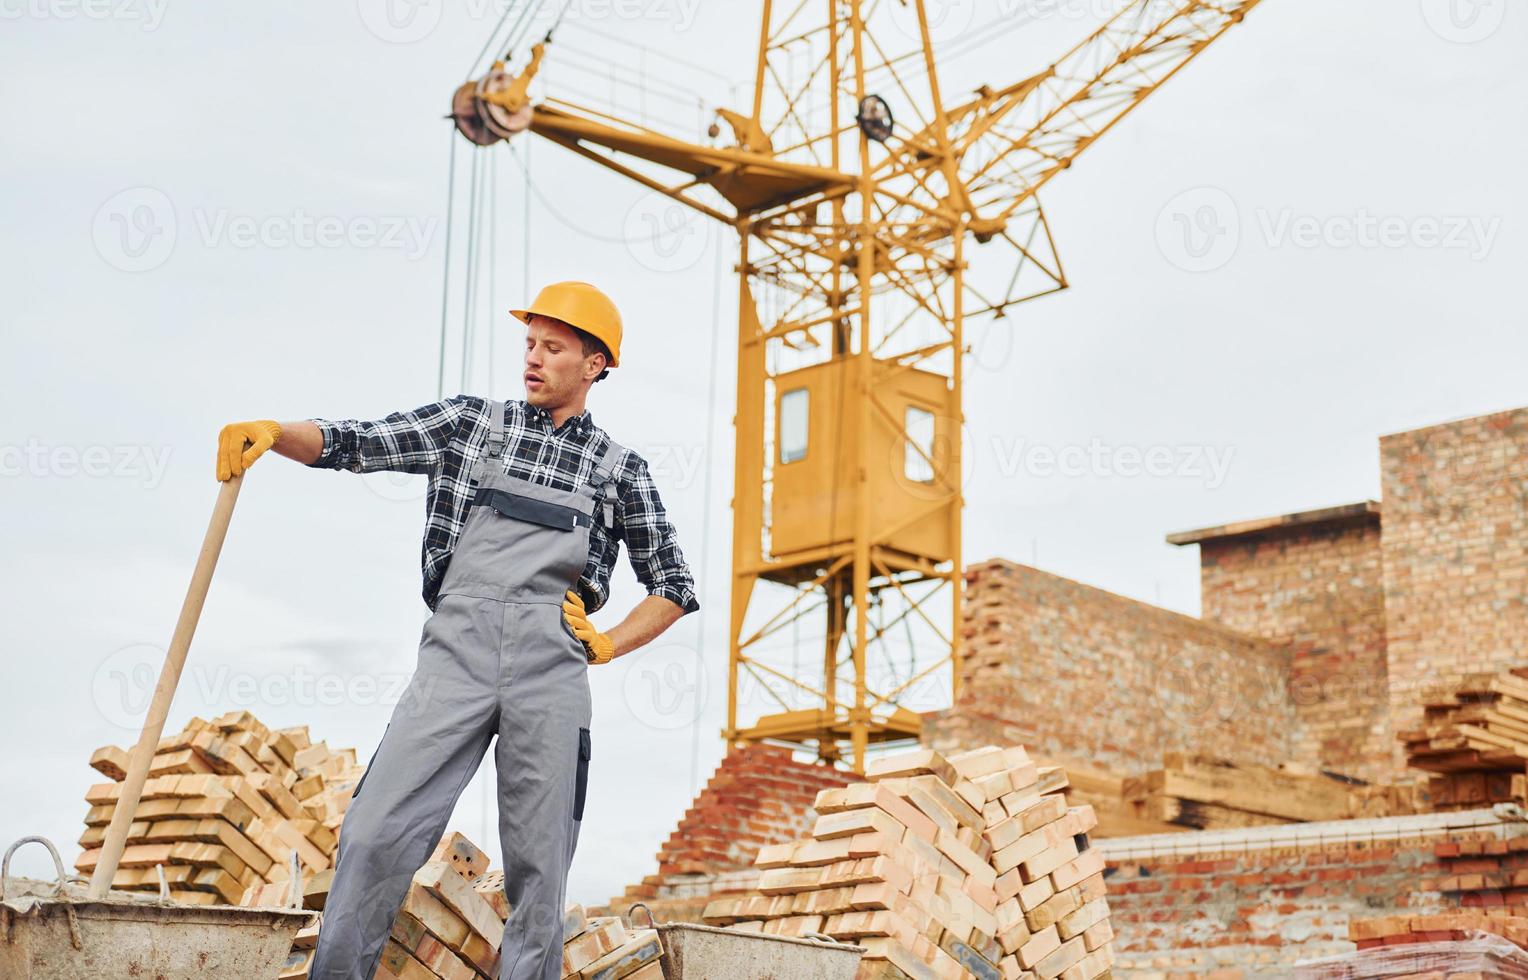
{"x": 875, "y": 223}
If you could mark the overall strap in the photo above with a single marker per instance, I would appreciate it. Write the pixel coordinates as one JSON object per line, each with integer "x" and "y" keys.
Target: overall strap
{"x": 604, "y": 474}
{"x": 496, "y": 442}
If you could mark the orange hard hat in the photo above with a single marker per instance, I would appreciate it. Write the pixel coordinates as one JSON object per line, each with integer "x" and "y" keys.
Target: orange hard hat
{"x": 580, "y": 305}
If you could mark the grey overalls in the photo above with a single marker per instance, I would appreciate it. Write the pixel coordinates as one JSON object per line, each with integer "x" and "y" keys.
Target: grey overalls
{"x": 496, "y": 658}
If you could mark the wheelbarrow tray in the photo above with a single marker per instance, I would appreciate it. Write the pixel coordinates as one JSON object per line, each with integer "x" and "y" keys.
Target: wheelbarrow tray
{"x": 137, "y": 939}
{"x": 698, "y": 952}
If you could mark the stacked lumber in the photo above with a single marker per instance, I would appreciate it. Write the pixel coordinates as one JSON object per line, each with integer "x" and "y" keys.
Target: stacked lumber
{"x": 226, "y": 806}
{"x": 1213, "y": 794}
{"x": 1474, "y": 737}
{"x": 1396, "y": 930}
{"x": 942, "y": 868}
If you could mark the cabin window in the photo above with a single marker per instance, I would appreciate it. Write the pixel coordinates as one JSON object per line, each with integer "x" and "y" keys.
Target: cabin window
{"x": 793, "y": 425}
{"x": 918, "y": 426}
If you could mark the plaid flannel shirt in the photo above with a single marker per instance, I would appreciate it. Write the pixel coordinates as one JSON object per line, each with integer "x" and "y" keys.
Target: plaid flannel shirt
{"x": 444, "y": 440}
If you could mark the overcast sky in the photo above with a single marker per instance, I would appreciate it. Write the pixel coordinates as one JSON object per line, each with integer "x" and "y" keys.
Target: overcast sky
{"x": 1313, "y": 236}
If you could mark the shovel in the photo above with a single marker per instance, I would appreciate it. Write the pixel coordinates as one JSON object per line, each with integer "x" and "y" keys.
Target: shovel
{"x": 164, "y": 692}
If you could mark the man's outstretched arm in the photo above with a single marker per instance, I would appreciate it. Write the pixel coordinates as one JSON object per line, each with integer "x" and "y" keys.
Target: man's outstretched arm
{"x": 405, "y": 442}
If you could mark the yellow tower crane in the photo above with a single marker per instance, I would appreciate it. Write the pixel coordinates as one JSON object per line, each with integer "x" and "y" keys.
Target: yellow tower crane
{"x": 856, "y": 192}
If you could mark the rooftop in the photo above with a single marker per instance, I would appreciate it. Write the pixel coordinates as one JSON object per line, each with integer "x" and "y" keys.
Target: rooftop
{"x": 1364, "y": 512}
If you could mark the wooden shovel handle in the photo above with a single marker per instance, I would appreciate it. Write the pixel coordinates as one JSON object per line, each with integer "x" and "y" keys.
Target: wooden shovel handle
{"x": 164, "y": 691}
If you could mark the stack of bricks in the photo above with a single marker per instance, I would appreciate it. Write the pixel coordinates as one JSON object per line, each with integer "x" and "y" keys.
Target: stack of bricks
{"x": 603, "y": 948}
{"x": 758, "y": 796}
{"x": 1398, "y": 930}
{"x": 226, "y": 806}
{"x": 451, "y": 926}
{"x": 943, "y": 868}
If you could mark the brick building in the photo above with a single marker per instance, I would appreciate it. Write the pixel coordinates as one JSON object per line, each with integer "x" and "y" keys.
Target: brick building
{"x": 1320, "y": 636}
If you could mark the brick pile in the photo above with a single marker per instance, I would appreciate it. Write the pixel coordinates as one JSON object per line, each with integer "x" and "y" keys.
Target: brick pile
{"x": 758, "y": 796}
{"x": 226, "y": 805}
{"x": 1473, "y": 955}
{"x": 1398, "y": 930}
{"x": 967, "y": 866}
{"x": 451, "y": 926}
{"x": 603, "y": 948}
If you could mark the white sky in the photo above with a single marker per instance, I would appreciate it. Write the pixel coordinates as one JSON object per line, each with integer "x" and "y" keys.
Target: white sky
{"x": 1287, "y": 359}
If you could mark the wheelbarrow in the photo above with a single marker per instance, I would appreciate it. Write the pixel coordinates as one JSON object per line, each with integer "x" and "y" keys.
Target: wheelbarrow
{"x": 56, "y": 931}
{"x": 64, "y": 930}
{"x": 698, "y": 952}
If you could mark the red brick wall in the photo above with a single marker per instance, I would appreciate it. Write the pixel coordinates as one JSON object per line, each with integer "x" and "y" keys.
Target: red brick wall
{"x": 1455, "y": 553}
{"x": 758, "y": 795}
{"x": 1076, "y": 673}
{"x": 1318, "y": 591}
{"x": 1255, "y": 914}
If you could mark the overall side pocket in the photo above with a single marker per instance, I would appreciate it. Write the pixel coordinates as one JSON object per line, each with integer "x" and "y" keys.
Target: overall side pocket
{"x": 357, "y": 791}
{"x": 581, "y": 778}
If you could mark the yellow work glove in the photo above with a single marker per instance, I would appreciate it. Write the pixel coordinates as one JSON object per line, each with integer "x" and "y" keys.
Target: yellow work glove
{"x": 598, "y": 647}
{"x": 241, "y": 443}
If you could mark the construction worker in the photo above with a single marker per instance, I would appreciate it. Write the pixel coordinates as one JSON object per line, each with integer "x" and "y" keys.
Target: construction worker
{"x": 528, "y": 502}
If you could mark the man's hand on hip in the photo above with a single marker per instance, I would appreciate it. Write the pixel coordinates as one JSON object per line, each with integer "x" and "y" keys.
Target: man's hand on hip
{"x": 598, "y": 647}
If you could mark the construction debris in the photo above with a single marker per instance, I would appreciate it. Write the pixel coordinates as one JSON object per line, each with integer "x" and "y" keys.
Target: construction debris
{"x": 226, "y": 806}
{"x": 943, "y": 868}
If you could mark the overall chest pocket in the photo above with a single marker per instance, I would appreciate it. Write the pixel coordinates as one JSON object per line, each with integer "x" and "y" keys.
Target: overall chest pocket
{"x": 531, "y": 510}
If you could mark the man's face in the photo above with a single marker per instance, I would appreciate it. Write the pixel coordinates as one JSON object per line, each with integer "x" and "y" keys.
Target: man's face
{"x": 556, "y": 370}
